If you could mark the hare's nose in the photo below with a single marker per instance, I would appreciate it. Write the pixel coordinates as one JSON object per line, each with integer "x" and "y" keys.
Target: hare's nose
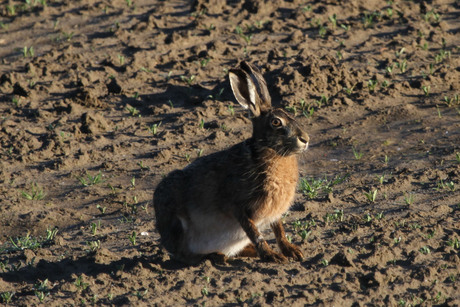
{"x": 303, "y": 140}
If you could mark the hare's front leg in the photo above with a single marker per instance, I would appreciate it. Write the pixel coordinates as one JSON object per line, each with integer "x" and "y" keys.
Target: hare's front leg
{"x": 264, "y": 251}
{"x": 288, "y": 249}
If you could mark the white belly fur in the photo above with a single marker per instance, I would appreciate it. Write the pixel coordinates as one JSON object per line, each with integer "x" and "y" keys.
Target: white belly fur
{"x": 220, "y": 233}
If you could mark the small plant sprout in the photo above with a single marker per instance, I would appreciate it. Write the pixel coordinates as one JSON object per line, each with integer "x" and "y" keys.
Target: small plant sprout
{"x": 132, "y": 238}
{"x": 94, "y": 245}
{"x": 231, "y": 110}
{"x": 454, "y": 243}
{"x": 94, "y": 226}
{"x": 188, "y": 80}
{"x": 426, "y": 90}
{"x": 153, "y": 129}
{"x": 333, "y": 20}
{"x": 133, "y": 182}
{"x": 371, "y": 84}
{"x": 121, "y": 59}
{"x": 101, "y": 209}
{"x": 371, "y": 195}
{"x": 389, "y": 69}
{"x": 51, "y": 233}
{"x": 367, "y": 217}
{"x": 34, "y": 193}
{"x": 349, "y": 90}
{"x": 386, "y": 159}
{"x": 358, "y": 155}
{"x": 425, "y": 250}
{"x": 201, "y": 124}
{"x": 457, "y": 157}
{"x": 402, "y": 65}
{"x": 381, "y": 178}
{"x": 324, "y": 262}
{"x": 379, "y": 216}
{"x": 90, "y": 180}
{"x": 7, "y": 297}
{"x": 80, "y": 284}
{"x": 28, "y": 52}
{"x": 409, "y": 198}
{"x": 133, "y": 111}
{"x": 313, "y": 187}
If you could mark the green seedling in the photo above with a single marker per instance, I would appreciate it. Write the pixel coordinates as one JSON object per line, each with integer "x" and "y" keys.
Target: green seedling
{"x": 409, "y": 199}
{"x": 358, "y": 155}
{"x": 101, "y": 209}
{"x": 425, "y": 250}
{"x": 80, "y": 284}
{"x": 322, "y": 31}
{"x": 94, "y": 226}
{"x": 371, "y": 84}
{"x": 247, "y": 37}
{"x": 133, "y": 111}
{"x": 324, "y": 262}
{"x": 371, "y": 195}
{"x": 379, "y": 216}
{"x": 154, "y": 128}
{"x": 94, "y": 245}
{"x": 142, "y": 166}
{"x": 454, "y": 243}
{"x": 367, "y": 217}
{"x": 334, "y": 217}
{"x": 345, "y": 27}
{"x": 51, "y": 233}
{"x": 402, "y": 65}
{"x": 313, "y": 187}
{"x": 442, "y": 55}
{"x": 133, "y": 182}
{"x": 204, "y": 62}
{"x": 132, "y": 238}
{"x": 349, "y": 90}
{"x": 333, "y": 20}
{"x": 129, "y": 3}
{"x": 7, "y": 297}
{"x": 90, "y": 180}
{"x": 426, "y": 90}
{"x": 188, "y": 80}
{"x": 68, "y": 35}
{"x": 121, "y": 59}
{"x": 28, "y": 52}
{"x": 457, "y": 157}
{"x": 35, "y": 193}
{"x": 201, "y": 124}
{"x": 389, "y": 69}
{"x": 231, "y": 110}
{"x": 381, "y": 178}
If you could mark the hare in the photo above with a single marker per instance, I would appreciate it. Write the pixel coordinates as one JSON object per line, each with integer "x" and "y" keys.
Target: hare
{"x": 221, "y": 202}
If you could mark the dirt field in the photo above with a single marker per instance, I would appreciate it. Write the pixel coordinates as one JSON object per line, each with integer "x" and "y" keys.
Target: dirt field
{"x": 101, "y": 99}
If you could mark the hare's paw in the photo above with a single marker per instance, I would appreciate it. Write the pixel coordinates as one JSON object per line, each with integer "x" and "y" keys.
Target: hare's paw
{"x": 271, "y": 256}
{"x": 292, "y": 251}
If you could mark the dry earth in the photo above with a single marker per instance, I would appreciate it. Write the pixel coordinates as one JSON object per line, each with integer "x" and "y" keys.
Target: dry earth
{"x": 100, "y": 99}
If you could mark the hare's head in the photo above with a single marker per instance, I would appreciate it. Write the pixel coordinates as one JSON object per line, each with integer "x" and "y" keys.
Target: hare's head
{"x": 273, "y": 128}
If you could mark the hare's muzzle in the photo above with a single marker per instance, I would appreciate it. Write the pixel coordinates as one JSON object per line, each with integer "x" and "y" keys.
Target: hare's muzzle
{"x": 302, "y": 142}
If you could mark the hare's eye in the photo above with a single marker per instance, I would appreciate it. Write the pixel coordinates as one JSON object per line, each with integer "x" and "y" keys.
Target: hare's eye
{"x": 276, "y": 122}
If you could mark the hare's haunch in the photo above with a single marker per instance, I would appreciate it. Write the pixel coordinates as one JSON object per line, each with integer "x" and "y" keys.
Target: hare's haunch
{"x": 221, "y": 202}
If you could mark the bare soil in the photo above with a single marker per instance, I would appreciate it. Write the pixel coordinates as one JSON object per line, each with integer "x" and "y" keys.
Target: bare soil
{"x": 100, "y": 99}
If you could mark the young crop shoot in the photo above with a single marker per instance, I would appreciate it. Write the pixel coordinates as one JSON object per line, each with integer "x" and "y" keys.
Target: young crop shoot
{"x": 371, "y": 195}
{"x": 34, "y": 193}
{"x": 132, "y": 238}
{"x": 409, "y": 199}
{"x": 426, "y": 90}
{"x": 90, "y": 180}
{"x": 189, "y": 80}
{"x": 356, "y": 154}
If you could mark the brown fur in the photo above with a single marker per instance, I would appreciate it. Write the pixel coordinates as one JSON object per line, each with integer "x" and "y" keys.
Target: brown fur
{"x": 220, "y": 203}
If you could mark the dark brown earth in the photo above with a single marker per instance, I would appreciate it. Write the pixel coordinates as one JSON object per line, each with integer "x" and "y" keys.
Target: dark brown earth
{"x": 101, "y": 99}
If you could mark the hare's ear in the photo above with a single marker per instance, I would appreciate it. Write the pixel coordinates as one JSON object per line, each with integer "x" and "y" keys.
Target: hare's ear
{"x": 264, "y": 100}
{"x": 250, "y": 88}
{"x": 244, "y": 90}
